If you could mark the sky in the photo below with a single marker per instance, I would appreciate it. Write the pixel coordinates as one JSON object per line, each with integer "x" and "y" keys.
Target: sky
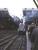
{"x": 15, "y": 7}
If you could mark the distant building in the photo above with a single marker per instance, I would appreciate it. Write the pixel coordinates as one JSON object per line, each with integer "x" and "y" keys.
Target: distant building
{"x": 30, "y": 14}
{"x": 4, "y": 12}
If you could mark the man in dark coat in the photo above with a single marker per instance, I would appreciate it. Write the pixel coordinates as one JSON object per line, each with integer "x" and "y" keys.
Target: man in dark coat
{"x": 32, "y": 26}
{"x": 34, "y": 38}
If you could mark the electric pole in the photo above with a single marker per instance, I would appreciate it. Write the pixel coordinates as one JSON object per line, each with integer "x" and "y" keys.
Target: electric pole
{"x": 36, "y": 3}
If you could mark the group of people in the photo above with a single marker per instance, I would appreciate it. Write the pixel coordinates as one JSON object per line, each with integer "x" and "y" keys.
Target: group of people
{"x": 33, "y": 29}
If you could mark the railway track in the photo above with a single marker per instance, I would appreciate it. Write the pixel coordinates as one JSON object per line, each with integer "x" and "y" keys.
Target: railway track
{"x": 24, "y": 44}
{"x": 5, "y": 34}
{"x": 17, "y": 45}
{"x": 10, "y": 42}
{"x": 20, "y": 46}
{"x": 5, "y": 40}
{"x": 13, "y": 42}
